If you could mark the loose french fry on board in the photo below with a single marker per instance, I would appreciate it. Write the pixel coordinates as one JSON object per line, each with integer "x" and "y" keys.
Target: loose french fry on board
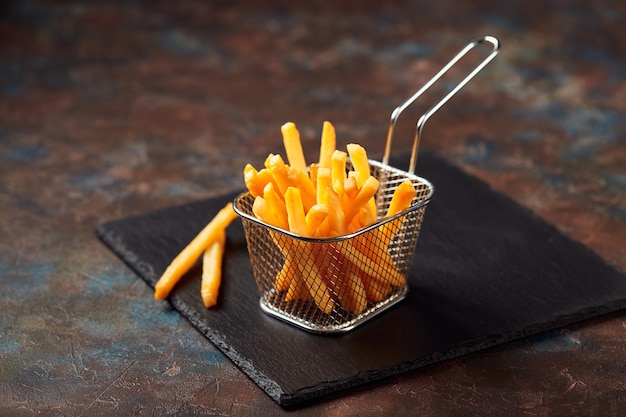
{"x": 212, "y": 270}
{"x": 190, "y": 254}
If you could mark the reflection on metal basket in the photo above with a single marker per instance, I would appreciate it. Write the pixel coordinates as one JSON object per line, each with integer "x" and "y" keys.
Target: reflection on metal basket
{"x": 333, "y": 285}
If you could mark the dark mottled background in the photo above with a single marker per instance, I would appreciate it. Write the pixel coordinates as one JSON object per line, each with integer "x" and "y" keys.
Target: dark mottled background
{"x": 109, "y": 109}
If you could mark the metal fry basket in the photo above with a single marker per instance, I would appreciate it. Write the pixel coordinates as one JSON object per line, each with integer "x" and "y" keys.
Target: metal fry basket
{"x": 333, "y": 285}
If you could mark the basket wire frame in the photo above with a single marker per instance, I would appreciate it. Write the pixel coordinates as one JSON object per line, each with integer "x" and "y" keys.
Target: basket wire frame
{"x": 337, "y": 283}
{"x": 334, "y": 285}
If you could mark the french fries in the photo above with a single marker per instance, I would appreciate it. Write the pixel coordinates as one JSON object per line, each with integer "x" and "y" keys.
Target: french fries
{"x": 324, "y": 200}
{"x": 212, "y": 234}
{"x": 212, "y": 270}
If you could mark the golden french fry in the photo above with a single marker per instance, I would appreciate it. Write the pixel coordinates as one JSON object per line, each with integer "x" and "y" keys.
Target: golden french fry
{"x": 358, "y": 157}
{"x": 378, "y": 265}
{"x": 295, "y": 212}
{"x": 256, "y": 180}
{"x": 298, "y": 289}
{"x": 261, "y": 210}
{"x": 190, "y": 254}
{"x": 324, "y": 180}
{"x": 402, "y": 197}
{"x": 401, "y": 200}
{"x": 312, "y": 277}
{"x": 336, "y": 216}
{"x": 275, "y": 206}
{"x": 354, "y": 297}
{"x": 349, "y": 187}
{"x": 293, "y": 146}
{"x": 365, "y": 217}
{"x": 301, "y": 181}
{"x": 313, "y": 174}
{"x": 289, "y": 270}
{"x": 375, "y": 290}
{"x": 278, "y": 168}
{"x": 315, "y": 217}
{"x": 362, "y": 198}
{"x": 212, "y": 270}
{"x": 328, "y": 144}
{"x": 338, "y": 170}
{"x": 361, "y": 165}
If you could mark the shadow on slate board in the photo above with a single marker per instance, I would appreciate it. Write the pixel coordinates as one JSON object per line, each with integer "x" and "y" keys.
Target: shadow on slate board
{"x": 486, "y": 271}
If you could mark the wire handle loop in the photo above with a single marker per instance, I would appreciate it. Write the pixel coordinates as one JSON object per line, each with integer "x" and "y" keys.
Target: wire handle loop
{"x": 422, "y": 120}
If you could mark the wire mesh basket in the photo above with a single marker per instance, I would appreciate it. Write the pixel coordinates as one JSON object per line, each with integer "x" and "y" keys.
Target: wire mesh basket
{"x": 330, "y": 285}
{"x": 333, "y": 285}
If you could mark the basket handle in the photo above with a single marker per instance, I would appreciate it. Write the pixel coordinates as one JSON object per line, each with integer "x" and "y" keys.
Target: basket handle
{"x": 422, "y": 120}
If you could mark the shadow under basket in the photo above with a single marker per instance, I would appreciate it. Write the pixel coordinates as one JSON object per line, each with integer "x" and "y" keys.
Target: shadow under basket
{"x": 333, "y": 285}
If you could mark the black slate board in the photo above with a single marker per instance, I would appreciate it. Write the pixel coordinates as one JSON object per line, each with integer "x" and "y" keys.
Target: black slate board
{"x": 486, "y": 271}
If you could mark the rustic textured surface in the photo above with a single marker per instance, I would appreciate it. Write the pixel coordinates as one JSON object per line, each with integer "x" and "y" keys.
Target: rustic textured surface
{"x": 108, "y": 110}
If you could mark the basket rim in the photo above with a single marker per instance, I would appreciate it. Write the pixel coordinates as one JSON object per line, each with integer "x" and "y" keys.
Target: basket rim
{"x": 421, "y": 203}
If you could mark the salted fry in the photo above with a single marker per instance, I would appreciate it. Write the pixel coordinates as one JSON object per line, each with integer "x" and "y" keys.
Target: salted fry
{"x": 328, "y": 144}
{"x": 324, "y": 180}
{"x": 358, "y": 157}
{"x": 263, "y": 211}
{"x": 377, "y": 263}
{"x": 295, "y": 212}
{"x": 313, "y": 174}
{"x": 361, "y": 165}
{"x": 290, "y": 269}
{"x": 362, "y": 198}
{"x": 190, "y": 254}
{"x": 278, "y": 168}
{"x": 351, "y": 290}
{"x": 349, "y": 187}
{"x": 212, "y": 270}
{"x": 375, "y": 290}
{"x": 317, "y": 287}
{"x": 275, "y": 206}
{"x": 293, "y": 146}
{"x": 400, "y": 201}
{"x": 373, "y": 263}
{"x": 298, "y": 289}
{"x": 301, "y": 181}
{"x": 336, "y": 216}
{"x": 402, "y": 198}
{"x": 256, "y": 180}
{"x": 315, "y": 217}
{"x": 338, "y": 170}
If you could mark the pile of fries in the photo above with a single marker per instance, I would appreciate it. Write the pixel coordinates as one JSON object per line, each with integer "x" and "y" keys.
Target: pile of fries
{"x": 322, "y": 200}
